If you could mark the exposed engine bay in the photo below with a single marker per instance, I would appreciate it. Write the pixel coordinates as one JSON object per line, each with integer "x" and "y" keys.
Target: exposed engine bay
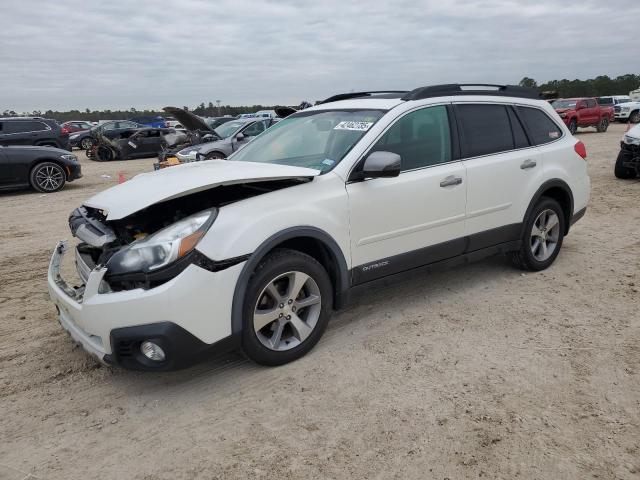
{"x": 103, "y": 240}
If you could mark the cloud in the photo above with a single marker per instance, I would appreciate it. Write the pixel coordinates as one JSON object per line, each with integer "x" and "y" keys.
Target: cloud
{"x": 151, "y": 53}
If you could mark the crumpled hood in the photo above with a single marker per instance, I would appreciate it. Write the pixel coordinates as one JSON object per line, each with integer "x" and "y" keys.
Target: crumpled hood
{"x": 147, "y": 189}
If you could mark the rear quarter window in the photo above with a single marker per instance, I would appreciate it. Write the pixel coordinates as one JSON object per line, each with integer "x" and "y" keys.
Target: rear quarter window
{"x": 541, "y": 128}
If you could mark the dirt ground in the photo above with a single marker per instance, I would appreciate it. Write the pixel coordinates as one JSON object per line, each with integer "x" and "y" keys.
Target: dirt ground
{"x": 480, "y": 371}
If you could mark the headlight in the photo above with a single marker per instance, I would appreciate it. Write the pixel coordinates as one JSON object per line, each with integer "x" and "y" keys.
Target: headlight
{"x": 563, "y": 115}
{"x": 625, "y": 109}
{"x": 189, "y": 151}
{"x": 74, "y": 136}
{"x": 164, "y": 246}
{"x": 629, "y": 140}
{"x": 68, "y": 156}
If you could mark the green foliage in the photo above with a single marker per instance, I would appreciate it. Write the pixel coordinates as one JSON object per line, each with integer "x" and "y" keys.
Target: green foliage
{"x": 593, "y": 87}
{"x": 528, "y": 82}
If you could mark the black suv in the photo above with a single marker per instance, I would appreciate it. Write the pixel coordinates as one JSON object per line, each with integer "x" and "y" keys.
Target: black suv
{"x": 32, "y": 131}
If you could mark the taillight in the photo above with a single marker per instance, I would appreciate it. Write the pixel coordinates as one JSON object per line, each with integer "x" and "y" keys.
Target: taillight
{"x": 64, "y": 130}
{"x": 580, "y": 149}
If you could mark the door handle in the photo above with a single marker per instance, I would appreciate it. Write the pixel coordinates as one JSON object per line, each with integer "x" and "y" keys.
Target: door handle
{"x": 528, "y": 164}
{"x": 450, "y": 180}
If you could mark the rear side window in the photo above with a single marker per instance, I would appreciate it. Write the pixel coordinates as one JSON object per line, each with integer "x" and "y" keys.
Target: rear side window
{"x": 486, "y": 129}
{"x": 519, "y": 135}
{"x": 541, "y": 128}
{"x": 23, "y": 126}
{"x": 591, "y": 103}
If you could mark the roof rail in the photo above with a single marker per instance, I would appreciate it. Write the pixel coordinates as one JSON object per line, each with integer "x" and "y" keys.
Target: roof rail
{"x": 471, "y": 89}
{"x": 346, "y": 96}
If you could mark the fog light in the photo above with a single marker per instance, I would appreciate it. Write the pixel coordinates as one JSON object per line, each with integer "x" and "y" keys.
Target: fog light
{"x": 152, "y": 351}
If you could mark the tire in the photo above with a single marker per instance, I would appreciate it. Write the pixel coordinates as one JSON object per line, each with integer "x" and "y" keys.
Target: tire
{"x": 287, "y": 330}
{"x": 86, "y": 143}
{"x": 603, "y": 125}
{"x": 103, "y": 154}
{"x": 621, "y": 171}
{"x": 214, "y": 156}
{"x": 573, "y": 126}
{"x": 542, "y": 237}
{"x": 635, "y": 117}
{"x": 47, "y": 177}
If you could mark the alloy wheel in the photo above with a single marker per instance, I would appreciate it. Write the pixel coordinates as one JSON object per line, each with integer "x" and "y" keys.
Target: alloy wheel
{"x": 49, "y": 178}
{"x": 287, "y": 311}
{"x": 545, "y": 233}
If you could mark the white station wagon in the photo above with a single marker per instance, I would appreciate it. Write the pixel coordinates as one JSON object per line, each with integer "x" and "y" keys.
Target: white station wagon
{"x": 257, "y": 251}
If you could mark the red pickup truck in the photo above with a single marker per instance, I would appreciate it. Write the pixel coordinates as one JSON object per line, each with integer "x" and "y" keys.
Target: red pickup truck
{"x": 583, "y": 112}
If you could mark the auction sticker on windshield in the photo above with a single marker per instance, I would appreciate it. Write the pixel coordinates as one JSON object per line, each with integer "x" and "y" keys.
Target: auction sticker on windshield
{"x": 357, "y": 126}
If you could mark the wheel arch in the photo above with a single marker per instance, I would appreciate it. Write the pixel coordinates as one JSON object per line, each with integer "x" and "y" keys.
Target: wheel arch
{"x": 310, "y": 240}
{"x": 560, "y": 191}
{"x": 34, "y": 163}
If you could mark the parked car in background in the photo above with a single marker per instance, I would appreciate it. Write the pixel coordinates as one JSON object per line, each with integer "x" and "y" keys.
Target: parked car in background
{"x": 215, "y": 122}
{"x": 45, "y": 169}
{"x": 613, "y": 100}
{"x": 628, "y": 161}
{"x": 129, "y": 143}
{"x": 628, "y": 112}
{"x": 85, "y": 138}
{"x": 583, "y": 112}
{"x": 150, "y": 121}
{"x": 172, "y": 123}
{"x": 33, "y": 131}
{"x": 266, "y": 114}
{"x": 75, "y": 126}
{"x": 259, "y": 250}
{"x": 232, "y": 136}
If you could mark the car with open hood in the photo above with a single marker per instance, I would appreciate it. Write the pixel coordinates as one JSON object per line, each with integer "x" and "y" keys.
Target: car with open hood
{"x": 227, "y": 139}
{"x": 256, "y": 251}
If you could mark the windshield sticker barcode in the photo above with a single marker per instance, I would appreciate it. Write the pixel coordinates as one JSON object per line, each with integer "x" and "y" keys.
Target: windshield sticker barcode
{"x": 357, "y": 126}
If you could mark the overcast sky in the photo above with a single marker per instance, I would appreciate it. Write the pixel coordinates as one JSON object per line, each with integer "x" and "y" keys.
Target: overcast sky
{"x": 117, "y": 54}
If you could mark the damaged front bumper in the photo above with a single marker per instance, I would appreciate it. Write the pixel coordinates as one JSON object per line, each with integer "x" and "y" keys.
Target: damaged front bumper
{"x": 190, "y": 315}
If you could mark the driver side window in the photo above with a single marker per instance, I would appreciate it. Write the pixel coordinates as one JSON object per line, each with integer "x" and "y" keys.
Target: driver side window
{"x": 252, "y": 130}
{"x": 421, "y": 138}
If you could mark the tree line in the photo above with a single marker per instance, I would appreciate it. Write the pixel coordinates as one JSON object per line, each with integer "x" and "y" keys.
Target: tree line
{"x": 593, "y": 87}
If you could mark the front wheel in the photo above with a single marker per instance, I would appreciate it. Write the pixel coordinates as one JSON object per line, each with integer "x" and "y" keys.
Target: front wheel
{"x": 620, "y": 171}
{"x": 86, "y": 143}
{"x": 635, "y": 117}
{"x": 287, "y": 307}
{"x": 573, "y": 126}
{"x": 214, "y": 156}
{"x": 542, "y": 238}
{"x": 603, "y": 125}
{"x": 47, "y": 177}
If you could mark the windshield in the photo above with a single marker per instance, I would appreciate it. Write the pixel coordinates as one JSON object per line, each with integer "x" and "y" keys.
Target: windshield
{"x": 227, "y": 129}
{"x": 564, "y": 104}
{"x": 315, "y": 139}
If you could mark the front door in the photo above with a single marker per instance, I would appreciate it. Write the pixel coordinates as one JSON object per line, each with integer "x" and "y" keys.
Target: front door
{"x": 418, "y": 217}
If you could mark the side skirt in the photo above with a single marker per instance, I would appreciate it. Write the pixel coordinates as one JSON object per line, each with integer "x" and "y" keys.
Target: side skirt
{"x": 465, "y": 258}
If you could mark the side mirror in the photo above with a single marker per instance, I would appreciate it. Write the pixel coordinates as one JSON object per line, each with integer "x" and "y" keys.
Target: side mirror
{"x": 240, "y": 136}
{"x": 381, "y": 165}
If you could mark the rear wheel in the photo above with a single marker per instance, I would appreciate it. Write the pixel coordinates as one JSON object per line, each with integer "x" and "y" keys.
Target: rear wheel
{"x": 47, "y": 177}
{"x": 621, "y": 171}
{"x": 542, "y": 238}
{"x": 287, "y": 308}
{"x": 86, "y": 143}
{"x": 573, "y": 126}
{"x": 603, "y": 125}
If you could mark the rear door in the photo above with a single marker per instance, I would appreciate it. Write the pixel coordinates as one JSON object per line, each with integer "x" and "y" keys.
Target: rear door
{"x": 503, "y": 171}
{"x": 418, "y": 217}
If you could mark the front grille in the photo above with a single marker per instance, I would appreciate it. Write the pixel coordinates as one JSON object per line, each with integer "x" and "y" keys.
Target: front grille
{"x": 616, "y": 109}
